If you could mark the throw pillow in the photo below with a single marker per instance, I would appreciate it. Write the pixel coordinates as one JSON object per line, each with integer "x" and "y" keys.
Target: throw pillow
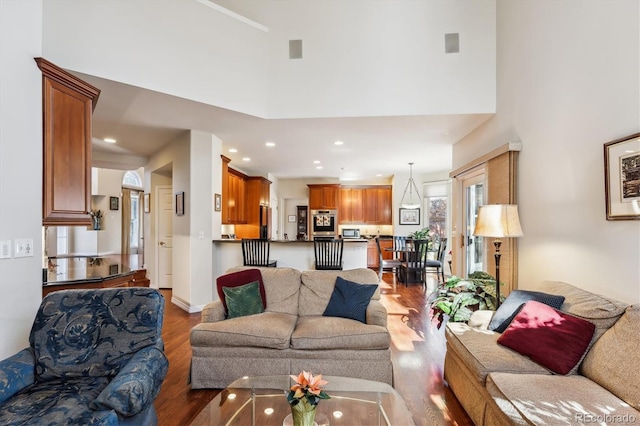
{"x": 551, "y": 338}
{"x": 514, "y": 302}
{"x": 239, "y": 278}
{"x": 243, "y": 300}
{"x": 350, "y": 300}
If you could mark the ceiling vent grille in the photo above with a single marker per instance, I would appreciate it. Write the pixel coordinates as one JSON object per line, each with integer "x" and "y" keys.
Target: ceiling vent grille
{"x": 295, "y": 49}
{"x": 452, "y": 43}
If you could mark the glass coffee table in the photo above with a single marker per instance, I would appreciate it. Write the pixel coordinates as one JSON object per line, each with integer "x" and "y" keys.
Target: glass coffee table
{"x": 261, "y": 401}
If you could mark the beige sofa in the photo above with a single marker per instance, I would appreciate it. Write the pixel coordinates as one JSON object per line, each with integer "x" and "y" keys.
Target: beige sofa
{"x": 498, "y": 386}
{"x": 292, "y": 335}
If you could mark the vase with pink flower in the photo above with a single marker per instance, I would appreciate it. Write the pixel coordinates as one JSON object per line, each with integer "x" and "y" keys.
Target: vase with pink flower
{"x": 304, "y": 396}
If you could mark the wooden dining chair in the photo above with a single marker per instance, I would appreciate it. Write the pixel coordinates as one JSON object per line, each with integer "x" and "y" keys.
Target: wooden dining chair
{"x": 328, "y": 253}
{"x": 388, "y": 264}
{"x": 438, "y": 263}
{"x": 255, "y": 252}
{"x": 412, "y": 269}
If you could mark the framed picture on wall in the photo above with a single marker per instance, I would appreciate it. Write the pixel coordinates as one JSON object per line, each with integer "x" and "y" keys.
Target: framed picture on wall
{"x": 409, "y": 216}
{"x": 113, "y": 203}
{"x": 180, "y": 203}
{"x": 622, "y": 178}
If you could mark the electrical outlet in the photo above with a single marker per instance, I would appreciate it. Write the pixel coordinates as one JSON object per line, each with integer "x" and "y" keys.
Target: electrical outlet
{"x": 24, "y": 247}
{"x": 5, "y": 249}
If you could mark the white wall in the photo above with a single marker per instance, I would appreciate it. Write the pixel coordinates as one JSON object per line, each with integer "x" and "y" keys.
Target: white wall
{"x": 20, "y": 171}
{"x": 568, "y": 81}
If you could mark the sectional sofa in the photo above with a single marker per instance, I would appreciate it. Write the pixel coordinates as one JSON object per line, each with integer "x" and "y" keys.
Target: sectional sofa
{"x": 497, "y": 385}
{"x": 292, "y": 334}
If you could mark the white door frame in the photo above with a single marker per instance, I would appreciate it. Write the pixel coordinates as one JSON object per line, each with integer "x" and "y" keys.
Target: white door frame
{"x": 156, "y": 247}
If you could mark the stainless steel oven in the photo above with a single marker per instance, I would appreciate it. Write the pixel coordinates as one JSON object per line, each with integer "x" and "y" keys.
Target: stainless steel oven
{"x": 324, "y": 223}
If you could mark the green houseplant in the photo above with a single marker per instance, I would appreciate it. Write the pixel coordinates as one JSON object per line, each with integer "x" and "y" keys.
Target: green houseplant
{"x": 458, "y": 298}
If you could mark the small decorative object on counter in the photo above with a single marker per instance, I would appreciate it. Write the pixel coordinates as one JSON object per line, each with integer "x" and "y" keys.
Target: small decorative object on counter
{"x": 96, "y": 219}
{"x": 304, "y": 396}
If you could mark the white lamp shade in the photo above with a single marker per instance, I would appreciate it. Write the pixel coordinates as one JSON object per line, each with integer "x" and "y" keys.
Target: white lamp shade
{"x": 498, "y": 221}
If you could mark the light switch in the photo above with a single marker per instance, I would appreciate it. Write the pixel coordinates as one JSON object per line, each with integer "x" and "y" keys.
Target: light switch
{"x": 5, "y": 249}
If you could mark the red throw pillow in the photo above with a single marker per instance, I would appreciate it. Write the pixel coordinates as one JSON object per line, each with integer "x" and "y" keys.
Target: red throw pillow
{"x": 549, "y": 337}
{"x": 236, "y": 279}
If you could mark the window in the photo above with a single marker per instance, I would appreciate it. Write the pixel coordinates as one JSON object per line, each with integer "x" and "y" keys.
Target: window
{"x": 134, "y": 235}
{"x": 131, "y": 179}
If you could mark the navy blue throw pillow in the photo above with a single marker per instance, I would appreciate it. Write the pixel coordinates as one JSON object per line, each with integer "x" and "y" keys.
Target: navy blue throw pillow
{"x": 350, "y": 300}
{"x": 515, "y": 301}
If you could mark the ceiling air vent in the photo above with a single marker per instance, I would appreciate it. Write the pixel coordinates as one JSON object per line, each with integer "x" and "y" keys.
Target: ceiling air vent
{"x": 295, "y": 49}
{"x": 452, "y": 43}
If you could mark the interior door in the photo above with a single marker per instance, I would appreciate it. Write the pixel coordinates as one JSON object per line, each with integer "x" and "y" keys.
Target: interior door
{"x": 164, "y": 237}
{"x": 473, "y": 197}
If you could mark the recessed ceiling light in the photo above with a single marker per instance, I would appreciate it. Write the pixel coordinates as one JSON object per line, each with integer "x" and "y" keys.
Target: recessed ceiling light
{"x": 109, "y": 140}
{"x": 316, "y": 161}
{"x": 378, "y": 175}
{"x": 319, "y": 167}
{"x": 338, "y": 143}
{"x": 270, "y": 144}
{"x": 233, "y": 150}
{"x": 246, "y": 159}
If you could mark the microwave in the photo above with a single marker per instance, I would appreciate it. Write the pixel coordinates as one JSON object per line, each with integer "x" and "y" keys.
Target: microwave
{"x": 350, "y": 233}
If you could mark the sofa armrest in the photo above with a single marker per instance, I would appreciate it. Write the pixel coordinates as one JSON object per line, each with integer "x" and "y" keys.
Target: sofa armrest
{"x": 481, "y": 319}
{"x": 376, "y": 313}
{"x": 16, "y": 373}
{"x": 137, "y": 384}
{"x": 213, "y": 312}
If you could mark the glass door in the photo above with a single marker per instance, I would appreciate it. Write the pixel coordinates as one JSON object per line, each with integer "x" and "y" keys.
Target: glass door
{"x": 473, "y": 198}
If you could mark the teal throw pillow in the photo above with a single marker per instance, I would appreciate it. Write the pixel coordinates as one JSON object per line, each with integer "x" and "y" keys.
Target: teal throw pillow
{"x": 243, "y": 300}
{"x": 350, "y": 300}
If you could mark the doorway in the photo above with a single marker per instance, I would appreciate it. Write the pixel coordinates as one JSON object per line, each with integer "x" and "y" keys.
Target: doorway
{"x": 473, "y": 196}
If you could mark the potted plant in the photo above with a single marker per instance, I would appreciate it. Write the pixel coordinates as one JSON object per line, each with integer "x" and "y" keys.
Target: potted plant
{"x": 459, "y": 298}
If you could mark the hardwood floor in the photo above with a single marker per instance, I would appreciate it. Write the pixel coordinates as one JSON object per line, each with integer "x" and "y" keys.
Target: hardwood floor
{"x": 417, "y": 353}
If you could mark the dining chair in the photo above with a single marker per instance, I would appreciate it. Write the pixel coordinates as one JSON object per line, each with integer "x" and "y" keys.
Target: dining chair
{"x": 255, "y": 252}
{"x": 392, "y": 264}
{"x": 438, "y": 263}
{"x": 412, "y": 269}
{"x": 328, "y": 253}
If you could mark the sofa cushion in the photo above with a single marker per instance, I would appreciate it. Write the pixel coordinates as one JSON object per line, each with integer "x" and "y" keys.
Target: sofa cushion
{"x": 265, "y": 330}
{"x": 514, "y": 302}
{"x": 554, "y": 400}
{"x": 600, "y": 310}
{"x": 550, "y": 337}
{"x": 243, "y": 300}
{"x": 608, "y": 361}
{"x": 317, "y": 287}
{"x": 240, "y": 278}
{"x": 320, "y": 332}
{"x": 350, "y": 300}
{"x": 478, "y": 350}
{"x": 282, "y": 287}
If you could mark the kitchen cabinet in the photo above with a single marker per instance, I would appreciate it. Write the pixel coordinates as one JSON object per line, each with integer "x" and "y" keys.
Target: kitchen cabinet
{"x": 323, "y": 196}
{"x": 373, "y": 259}
{"x": 377, "y": 205}
{"x": 256, "y": 202}
{"x": 233, "y": 194}
{"x": 351, "y": 207}
{"x": 67, "y": 109}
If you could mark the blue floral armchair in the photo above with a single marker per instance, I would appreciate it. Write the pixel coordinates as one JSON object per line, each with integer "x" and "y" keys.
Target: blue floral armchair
{"x": 96, "y": 357}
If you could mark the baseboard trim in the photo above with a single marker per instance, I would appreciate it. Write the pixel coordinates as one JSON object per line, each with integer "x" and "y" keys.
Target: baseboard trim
{"x": 186, "y": 307}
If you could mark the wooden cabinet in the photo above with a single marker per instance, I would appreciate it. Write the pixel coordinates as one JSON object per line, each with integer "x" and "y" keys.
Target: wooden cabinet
{"x": 323, "y": 196}
{"x": 233, "y": 195}
{"x": 366, "y": 205}
{"x": 68, "y": 104}
{"x": 351, "y": 208}
{"x": 373, "y": 259}
{"x": 257, "y": 195}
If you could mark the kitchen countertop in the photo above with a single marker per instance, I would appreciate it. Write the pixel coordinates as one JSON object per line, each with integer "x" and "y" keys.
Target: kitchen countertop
{"x": 346, "y": 240}
{"x": 69, "y": 270}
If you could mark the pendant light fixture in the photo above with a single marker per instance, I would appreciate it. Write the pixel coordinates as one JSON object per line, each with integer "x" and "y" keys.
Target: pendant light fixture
{"x": 412, "y": 201}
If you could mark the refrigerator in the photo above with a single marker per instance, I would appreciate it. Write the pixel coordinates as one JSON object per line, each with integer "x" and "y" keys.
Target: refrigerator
{"x": 265, "y": 222}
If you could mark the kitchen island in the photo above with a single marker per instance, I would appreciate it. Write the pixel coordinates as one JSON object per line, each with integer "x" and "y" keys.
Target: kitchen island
{"x": 295, "y": 254}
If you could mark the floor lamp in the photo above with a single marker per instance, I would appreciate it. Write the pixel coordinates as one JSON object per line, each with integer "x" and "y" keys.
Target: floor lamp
{"x": 498, "y": 221}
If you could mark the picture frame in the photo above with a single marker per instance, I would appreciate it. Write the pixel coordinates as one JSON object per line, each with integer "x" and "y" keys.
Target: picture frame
{"x": 147, "y": 202}
{"x": 291, "y": 218}
{"x": 622, "y": 178}
{"x": 180, "y": 203}
{"x": 114, "y": 203}
{"x": 217, "y": 202}
{"x": 409, "y": 216}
